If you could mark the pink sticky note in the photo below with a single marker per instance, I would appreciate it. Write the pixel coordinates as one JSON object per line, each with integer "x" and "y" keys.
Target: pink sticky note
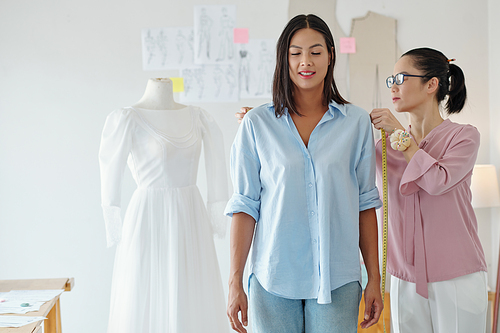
{"x": 348, "y": 45}
{"x": 240, "y": 35}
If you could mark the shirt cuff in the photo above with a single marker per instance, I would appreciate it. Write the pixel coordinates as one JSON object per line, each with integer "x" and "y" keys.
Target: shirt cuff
{"x": 369, "y": 200}
{"x": 419, "y": 164}
{"x": 242, "y": 204}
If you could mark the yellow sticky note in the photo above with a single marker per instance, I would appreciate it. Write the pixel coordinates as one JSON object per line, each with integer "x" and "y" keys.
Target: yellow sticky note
{"x": 178, "y": 84}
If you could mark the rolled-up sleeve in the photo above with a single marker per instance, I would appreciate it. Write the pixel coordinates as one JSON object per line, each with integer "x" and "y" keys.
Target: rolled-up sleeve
{"x": 245, "y": 173}
{"x": 365, "y": 172}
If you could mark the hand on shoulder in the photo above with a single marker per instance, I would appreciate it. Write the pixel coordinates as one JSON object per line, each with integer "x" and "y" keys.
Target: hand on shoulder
{"x": 242, "y": 113}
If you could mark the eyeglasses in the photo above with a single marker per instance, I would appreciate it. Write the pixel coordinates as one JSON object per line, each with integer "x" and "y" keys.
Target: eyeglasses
{"x": 399, "y": 79}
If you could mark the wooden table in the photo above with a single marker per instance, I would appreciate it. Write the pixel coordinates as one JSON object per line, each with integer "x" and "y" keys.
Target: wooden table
{"x": 51, "y": 309}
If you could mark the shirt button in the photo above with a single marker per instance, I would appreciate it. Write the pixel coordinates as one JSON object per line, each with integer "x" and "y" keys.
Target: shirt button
{"x": 312, "y": 213}
{"x": 310, "y": 185}
{"x": 314, "y": 241}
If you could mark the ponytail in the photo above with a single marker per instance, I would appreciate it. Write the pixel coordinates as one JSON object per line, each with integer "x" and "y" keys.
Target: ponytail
{"x": 457, "y": 93}
{"x": 451, "y": 78}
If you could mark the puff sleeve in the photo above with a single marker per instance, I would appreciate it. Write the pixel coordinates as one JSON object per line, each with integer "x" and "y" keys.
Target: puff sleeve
{"x": 116, "y": 143}
{"x": 215, "y": 164}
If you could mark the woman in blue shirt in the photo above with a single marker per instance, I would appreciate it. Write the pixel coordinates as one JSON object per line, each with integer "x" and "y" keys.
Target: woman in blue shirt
{"x": 303, "y": 170}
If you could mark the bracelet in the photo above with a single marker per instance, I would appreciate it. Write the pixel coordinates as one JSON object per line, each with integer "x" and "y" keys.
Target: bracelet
{"x": 400, "y": 140}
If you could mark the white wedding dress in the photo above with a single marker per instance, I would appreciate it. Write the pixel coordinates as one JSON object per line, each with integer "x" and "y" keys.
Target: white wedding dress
{"x": 166, "y": 276}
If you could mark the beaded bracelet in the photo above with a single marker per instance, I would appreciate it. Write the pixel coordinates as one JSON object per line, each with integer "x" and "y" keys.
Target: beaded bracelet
{"x": 400, "y": 140}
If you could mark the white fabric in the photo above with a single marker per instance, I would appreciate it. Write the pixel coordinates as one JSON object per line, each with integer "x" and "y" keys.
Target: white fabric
{"x": 113, "y": 219}
{"x": 166, "y": 276}
{"x": 458, "y": 305}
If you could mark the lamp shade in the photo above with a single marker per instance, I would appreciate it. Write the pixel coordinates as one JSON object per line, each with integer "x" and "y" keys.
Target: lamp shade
{"x": 484, "y": 186}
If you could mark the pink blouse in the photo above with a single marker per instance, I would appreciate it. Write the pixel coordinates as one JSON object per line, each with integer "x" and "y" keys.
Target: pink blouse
{"x": 432, "y": 231}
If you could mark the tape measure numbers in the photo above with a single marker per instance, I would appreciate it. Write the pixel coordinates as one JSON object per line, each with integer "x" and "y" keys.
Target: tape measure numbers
{"x": 384, "y": 232}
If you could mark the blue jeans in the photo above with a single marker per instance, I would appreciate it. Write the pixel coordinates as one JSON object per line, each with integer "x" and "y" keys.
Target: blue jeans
{"x": 273, "y": 314}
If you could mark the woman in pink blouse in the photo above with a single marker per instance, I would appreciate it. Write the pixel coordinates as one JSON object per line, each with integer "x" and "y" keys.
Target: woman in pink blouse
{"x": 437, "y": 264}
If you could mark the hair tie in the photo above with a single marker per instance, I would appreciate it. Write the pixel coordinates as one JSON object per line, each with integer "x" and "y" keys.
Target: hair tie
{"x": 450, "y": 60}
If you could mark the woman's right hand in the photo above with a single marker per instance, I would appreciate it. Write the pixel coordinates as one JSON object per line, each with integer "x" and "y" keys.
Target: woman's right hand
{"x": 242, "y": 113}
{"x": 237, "y": 302}
{"x": 384, "y": 119}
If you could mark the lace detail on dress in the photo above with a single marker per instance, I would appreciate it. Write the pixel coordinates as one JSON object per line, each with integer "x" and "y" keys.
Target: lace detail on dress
{"x": 113, "y": 219}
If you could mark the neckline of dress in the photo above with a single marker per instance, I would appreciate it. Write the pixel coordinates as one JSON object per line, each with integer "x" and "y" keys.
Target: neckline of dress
{"x": 162, "y": 110}
{"x": 178, "y": 139}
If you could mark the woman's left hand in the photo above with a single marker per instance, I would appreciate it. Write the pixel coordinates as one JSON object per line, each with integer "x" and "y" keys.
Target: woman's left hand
{"x": 373, "y": 304}
{"x": 384, "y": 119}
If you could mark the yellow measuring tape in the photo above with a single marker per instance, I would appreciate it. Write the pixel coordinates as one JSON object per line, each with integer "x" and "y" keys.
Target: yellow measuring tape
{"x": 384, "y": 232}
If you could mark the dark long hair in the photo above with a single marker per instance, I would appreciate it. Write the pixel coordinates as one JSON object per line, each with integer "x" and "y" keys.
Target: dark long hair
{"x": 451, "y": 78}
{"x": 282, "y": 84}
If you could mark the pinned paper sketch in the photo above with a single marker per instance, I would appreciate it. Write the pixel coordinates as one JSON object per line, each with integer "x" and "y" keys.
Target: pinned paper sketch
{"x": 256, "y": 62}
{"x": 214, "y": 34}
{"x": 167, "y": 48}
{"x": 210, "y": 83}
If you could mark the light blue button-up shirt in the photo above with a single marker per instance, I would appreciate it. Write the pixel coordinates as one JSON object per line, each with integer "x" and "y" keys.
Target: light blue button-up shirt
{"x": 305, "y": 200}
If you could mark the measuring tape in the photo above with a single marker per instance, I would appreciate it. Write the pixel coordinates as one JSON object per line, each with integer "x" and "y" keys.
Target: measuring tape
{"x": 384, "y": 232}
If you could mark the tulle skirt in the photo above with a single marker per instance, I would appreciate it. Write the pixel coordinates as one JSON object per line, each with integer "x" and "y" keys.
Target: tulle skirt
{"x": 166, "y": 277}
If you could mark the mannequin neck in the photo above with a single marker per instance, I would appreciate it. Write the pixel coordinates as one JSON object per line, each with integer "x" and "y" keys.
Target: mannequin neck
{"x": 159, "y": 96}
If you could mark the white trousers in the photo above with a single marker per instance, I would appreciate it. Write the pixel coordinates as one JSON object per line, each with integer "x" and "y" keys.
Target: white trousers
{"x": 458, "y": 305}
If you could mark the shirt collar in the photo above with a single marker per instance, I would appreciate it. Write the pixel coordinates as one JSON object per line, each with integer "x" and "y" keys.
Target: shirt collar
{"x": 331, "y": 108}
{"x": 339, "y": 107}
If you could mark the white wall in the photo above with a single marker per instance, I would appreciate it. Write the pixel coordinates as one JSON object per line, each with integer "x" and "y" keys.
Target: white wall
{"x": 64, "y": 65}
{"x": 494, "y": 91}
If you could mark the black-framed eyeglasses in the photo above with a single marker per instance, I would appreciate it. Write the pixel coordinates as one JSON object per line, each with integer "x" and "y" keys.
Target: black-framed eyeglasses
{"x": 399, "y": 79}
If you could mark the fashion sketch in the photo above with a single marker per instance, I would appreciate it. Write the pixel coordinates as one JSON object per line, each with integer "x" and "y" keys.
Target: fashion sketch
{"x": 150, "y": 46}
{"x": 209, "y": 83}
{"x": 226, "y": 49}
{"x": 255, "y": 68}
{"x": 244, "y": 69}
{"x": 213, "y": 34}
{"x": 204, "y": 33}
{"x": 167, "y": 48}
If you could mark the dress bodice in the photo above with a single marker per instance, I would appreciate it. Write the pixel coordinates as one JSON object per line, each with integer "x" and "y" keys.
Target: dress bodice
{"x": 158, "y": 159}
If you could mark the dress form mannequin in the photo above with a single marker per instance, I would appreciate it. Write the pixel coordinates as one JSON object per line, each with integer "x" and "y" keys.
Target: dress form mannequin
{"x": 159, "y": 96}
{"x": 158, "y": 107}
{"x": 166, "y": 266}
